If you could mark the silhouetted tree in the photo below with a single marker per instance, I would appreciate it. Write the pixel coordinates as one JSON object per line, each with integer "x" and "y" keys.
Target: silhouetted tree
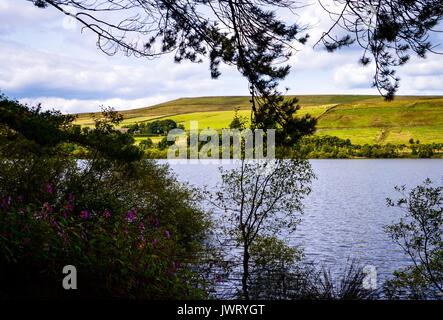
{"x": 387, "y": 30}
{"x": 261, "y": 199}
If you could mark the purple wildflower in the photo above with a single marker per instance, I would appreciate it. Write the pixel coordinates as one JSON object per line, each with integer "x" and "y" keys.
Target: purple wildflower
{"x": 47, "y": 207}
{"x": 167, "y": 234}
{"x": 84, "y": 214}
{"x": 141, "y": 227}
{"x": 154, "y": 242}
{"x": 49, "y": 188}
{"x": 131, "y": 215}
{"x": 54, "y": 223}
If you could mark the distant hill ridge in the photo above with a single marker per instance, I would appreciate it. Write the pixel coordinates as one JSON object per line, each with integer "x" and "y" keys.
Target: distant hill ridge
{"x": 226, "y": 102}
{"x": 361, "y": 118}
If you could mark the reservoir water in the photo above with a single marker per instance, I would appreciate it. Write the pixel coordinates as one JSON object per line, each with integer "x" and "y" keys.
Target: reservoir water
{"x": 345, "y": 214}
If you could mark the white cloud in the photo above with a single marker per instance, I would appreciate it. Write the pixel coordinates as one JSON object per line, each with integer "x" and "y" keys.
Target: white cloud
{"x": 353, "y": 76}
{"x": 433, "y": 65}
{"x": 84, "y": 105}
{"x": 18, "y": 15}
{"x": 427, "y": 83}
{"x": 51, "y": 73}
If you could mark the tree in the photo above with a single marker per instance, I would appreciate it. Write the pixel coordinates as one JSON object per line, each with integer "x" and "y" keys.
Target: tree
{"x": 419, "y": 234}
{"x": 261, "y": 199}
{"x": 238, "y": 122}
{"x": 388, "y": 30}
{"x": 26, "y": 131}
{"x": 147, "y": 143}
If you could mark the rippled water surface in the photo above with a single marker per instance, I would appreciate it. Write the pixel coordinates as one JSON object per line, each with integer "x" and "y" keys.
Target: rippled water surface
{"x": 346, "y": 212}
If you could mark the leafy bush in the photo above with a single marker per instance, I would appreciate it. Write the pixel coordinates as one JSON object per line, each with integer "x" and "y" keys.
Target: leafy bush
{"x": 272, "y": 262}
{"x": 419, "y": 233}
{"x": 147, "y": 143}
{"x": 327, "y": 147}
{"x": 157, "y": 127}
{"x": 128, "y": 234}
{"x": 28, "y": 130}
{"x": 127, "y": 225}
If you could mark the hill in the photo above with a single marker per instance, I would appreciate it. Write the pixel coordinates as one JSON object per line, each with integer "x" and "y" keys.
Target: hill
{"x": 362, "y": 119}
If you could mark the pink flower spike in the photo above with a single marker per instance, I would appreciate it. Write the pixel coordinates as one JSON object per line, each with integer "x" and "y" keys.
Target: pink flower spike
{"x": 131, "y": 215}
{"x": 49, "y": 188}
{"x": 47, "y": 207}
{"x": 84, "y": 214}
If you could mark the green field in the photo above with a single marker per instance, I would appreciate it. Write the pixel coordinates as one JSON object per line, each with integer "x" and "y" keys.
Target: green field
{"x": 362, "y": 119}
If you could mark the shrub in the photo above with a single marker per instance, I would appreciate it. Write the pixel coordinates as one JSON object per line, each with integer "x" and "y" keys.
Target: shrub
{"x": 147, "y": 143}
{"x": 127, "y": 225}
{"x": 131, "y": 230}
{"x": 419, "y": 234}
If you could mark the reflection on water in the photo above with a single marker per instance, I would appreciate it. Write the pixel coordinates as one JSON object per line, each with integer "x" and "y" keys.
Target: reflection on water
{"x": 346, "y": 212}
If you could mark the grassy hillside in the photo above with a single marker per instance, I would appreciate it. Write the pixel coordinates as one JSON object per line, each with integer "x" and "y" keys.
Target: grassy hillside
{"x": 362, "y": 119}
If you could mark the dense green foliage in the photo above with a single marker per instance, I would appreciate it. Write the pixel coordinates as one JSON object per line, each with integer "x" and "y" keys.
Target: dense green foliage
{"x": 123, "y": 231}
{"x": 130, "y": 229}
{"x": 26, "y": 130}
{"x": 156, "y": 127}
{"x": 420, "y": 234}
{"x": 321, "y": 147}
{"x": 238, "y": 122}
{"x": 325, "y": 147}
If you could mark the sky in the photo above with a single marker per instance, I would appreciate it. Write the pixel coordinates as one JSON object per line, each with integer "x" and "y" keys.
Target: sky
{"x": 45, "y": 58}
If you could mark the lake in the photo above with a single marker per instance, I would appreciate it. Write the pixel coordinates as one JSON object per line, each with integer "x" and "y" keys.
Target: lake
{"x": 346, "y": 211}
